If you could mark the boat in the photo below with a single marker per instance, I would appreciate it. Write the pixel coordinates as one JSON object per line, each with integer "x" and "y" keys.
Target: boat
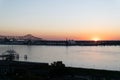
{"x": 10, "y": 55}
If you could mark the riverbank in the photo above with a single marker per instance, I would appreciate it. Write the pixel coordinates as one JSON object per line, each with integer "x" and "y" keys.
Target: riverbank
{"x": 17, "y": 70}
{"x": 63, "y": 43}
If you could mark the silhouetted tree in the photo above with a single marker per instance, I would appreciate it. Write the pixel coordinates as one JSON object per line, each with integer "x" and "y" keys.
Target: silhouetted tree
{"x": 6, "y": 39}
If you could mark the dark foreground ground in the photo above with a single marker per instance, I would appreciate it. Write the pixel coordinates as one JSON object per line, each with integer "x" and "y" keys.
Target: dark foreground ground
{"x": 16, "y": 70}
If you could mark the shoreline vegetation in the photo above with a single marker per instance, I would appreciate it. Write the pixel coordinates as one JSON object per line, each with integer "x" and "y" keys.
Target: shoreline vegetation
{"x": 18, "y": 70}
{"x": 61, "y": 43}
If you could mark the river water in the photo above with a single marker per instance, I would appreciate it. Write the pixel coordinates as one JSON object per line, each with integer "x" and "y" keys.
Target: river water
{"x": 97, "y": 57}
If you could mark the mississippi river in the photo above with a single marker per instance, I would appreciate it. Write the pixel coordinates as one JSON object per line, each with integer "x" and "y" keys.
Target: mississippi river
{"x": 97, "y": 57}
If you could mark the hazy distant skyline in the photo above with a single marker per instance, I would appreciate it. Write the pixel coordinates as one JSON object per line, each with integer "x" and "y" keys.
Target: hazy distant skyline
{"x": 61, "y": 19}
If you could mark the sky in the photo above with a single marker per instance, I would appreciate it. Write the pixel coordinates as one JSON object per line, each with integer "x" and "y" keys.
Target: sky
{"x": 61, "y": 19}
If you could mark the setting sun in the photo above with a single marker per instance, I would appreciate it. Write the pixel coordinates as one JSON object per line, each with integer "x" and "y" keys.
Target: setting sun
{"x": 95, "y": 39}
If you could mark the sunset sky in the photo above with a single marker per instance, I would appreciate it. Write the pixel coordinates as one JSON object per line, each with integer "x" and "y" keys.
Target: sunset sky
{"x": 61, "y": 19}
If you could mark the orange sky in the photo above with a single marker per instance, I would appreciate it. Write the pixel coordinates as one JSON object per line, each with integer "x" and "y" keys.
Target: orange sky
{"x": 66, "y": 35}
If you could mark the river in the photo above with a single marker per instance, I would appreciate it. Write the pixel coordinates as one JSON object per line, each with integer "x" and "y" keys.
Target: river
{"x": 97, "y": 57}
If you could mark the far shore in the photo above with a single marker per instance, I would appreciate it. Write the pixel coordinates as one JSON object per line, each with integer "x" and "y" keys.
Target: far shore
{"x": 63, "y": 43}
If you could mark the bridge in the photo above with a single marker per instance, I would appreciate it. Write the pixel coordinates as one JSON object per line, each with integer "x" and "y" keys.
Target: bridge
{"x": 21, "y": 38}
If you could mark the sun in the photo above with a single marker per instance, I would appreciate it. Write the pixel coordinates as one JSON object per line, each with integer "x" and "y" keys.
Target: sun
{"x": 95, "y": 39}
